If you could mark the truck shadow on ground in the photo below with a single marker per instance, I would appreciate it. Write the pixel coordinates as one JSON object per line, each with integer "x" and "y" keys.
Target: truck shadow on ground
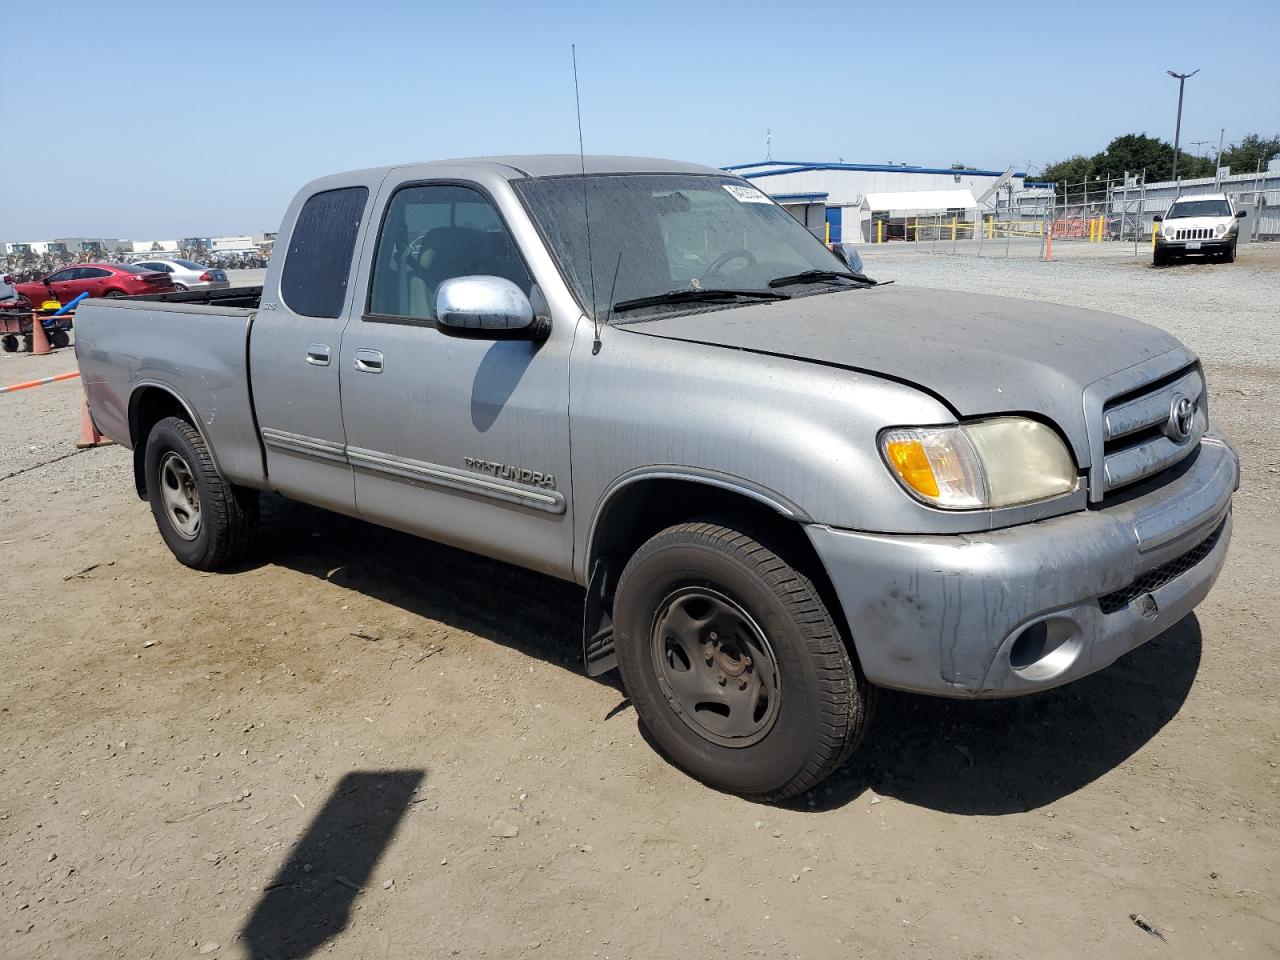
{"x": 985, "y": 757}
{"x": 310, "y": 899}
{"x": 990, "y": 757}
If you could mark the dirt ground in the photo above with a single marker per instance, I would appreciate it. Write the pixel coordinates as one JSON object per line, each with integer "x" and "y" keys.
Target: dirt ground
{"x": 361, "y": 745}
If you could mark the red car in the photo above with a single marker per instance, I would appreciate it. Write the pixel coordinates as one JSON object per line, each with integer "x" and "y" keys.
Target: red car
{"x": 96, "y": 279}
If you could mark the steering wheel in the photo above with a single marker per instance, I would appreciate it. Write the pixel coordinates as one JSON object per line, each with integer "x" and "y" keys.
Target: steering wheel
{"x": 729, "y": 255}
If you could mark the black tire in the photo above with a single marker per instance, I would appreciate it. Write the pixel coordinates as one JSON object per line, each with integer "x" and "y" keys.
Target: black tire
{"x": 812, "y": 728}
{"x": 226, "y": 516}
{"x": 180, "y": 288}
{"x": 1229, "y": 255}
{"x": 59, "y": 339}
{"x": 9, "y": 343}
{"x": 116, "y": 293}
{"x": 1159, "y": 258}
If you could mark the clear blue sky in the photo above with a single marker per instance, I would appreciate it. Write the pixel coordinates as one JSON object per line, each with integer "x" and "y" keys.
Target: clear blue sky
{"x": 162, "y": 120}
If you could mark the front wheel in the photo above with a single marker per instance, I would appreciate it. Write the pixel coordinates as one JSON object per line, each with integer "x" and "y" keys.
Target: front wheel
{"x": 1229, "y": 256}
{"x": 734, "y": 664}
{"x": 206, "y": 521}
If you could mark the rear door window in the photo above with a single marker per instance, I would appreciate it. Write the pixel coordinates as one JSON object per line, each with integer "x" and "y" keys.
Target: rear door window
{"x": 318, "y": 264}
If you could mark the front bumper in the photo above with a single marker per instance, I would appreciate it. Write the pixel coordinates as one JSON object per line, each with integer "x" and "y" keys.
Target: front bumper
{"x": 1031, "y": 607}
{"x": 1216, "y": 245}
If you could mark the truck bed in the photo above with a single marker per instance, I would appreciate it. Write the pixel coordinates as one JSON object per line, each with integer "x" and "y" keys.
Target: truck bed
{"x": 226, "y": 297}
{"x": 193, "y": 346}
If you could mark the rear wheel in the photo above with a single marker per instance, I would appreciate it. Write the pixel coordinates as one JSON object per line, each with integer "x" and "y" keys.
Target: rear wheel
{"x": 59, "y": 339}
{"x": 9, "y": 343}
{"x": 206, "y": 521}
{"x": 115, "y": 293}
{"x": 735, "y": 665}
{"x": 180, "y": 287}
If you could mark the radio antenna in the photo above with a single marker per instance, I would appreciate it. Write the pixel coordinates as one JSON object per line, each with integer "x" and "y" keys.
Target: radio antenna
{"x": 586, "y": 209}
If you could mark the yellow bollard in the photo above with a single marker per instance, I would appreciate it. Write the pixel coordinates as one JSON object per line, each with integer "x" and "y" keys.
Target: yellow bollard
{"x": 879, "y": 231}
{"x": 991, "y": 229}
{"x": 1155, "y": 228}
{"x": 826, "y": 237}
{"x": 953, "y": 229}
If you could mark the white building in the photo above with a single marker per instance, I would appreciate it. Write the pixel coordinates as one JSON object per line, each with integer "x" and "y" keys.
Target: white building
{"x": 841, "y": 201}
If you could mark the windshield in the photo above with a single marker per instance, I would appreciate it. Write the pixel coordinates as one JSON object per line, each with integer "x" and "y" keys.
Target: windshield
{"x": 1199, "y": 208}
{"x": 658, "y": 233}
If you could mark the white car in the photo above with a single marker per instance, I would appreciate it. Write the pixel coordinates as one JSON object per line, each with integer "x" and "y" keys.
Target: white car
{"x": 189, "y": 275}
{"x": 1202, "y": 225}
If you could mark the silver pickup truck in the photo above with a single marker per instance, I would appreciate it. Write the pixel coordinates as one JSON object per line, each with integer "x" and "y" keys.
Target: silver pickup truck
{"x": 781, "y": 484}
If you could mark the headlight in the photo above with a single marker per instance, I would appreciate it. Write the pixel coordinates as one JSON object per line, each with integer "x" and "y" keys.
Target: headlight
{"x": 990, "y": 463}
{"x": 1220, "y": 229}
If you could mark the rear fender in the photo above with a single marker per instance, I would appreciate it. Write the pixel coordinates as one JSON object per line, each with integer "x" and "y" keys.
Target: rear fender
{"x": 150, "y": 402}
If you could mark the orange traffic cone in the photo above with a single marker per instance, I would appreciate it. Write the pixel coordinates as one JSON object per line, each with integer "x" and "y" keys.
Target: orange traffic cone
{"x": 89, "y": 435}
{"x": 39, "y": 339}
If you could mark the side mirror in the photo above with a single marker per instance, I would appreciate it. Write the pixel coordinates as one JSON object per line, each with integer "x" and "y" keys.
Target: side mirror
{"x": 1241, "y": 214}
{"x": 1157, "y": 219}
{"x": 487, "y": 308}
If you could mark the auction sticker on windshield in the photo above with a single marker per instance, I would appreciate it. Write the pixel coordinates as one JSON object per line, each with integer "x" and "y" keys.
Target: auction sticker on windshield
{"x": 745, "y": 194}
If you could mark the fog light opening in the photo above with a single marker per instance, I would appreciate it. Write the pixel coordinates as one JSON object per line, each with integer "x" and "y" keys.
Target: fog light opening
{"x": 1045, "y": 649}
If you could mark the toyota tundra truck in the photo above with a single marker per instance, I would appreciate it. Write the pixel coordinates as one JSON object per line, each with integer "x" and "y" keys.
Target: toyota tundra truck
{"x": 781, "y": 484}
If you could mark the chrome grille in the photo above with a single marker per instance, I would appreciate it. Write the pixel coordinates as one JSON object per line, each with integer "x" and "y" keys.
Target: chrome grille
{"x": 1198, "y": 233}
{"x": 1139, "y": 434}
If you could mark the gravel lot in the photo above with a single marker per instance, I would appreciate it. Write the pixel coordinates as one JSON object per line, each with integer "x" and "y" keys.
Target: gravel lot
{"x": 347, "y": 747}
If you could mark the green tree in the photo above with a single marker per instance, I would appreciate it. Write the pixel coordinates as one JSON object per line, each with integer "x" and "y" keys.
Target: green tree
{"x": 1244, "y": 157}
{"x": 1132, "y": 153}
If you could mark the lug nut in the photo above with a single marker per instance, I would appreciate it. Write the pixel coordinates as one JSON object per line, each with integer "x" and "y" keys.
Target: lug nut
{"x": 722, "y": 679}
{"x": 742, "y": 683}
{"x": 714, "y": 635}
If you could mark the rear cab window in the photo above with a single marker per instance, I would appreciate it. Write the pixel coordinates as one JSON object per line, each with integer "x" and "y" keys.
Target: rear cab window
{"x": 317, "y": 266}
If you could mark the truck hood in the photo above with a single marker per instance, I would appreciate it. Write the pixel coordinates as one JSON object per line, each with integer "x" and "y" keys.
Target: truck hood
{"x": 981, "y": 355}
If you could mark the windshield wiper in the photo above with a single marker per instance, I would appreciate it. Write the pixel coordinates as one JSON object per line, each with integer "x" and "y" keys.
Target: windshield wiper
{"x": 693, "y": 296}
{"x": 817, "y": 276}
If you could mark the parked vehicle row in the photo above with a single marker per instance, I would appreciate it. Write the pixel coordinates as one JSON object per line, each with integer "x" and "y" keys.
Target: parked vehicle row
{"x": 95, "y": 279}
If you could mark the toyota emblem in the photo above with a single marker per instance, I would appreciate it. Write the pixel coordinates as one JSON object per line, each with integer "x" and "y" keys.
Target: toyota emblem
{"x": 1182, "y": 417}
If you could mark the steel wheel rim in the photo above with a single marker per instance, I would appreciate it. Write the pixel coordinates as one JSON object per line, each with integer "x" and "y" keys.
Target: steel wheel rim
{"x": 180, "y": 497}
{"x": 715, "y": 667}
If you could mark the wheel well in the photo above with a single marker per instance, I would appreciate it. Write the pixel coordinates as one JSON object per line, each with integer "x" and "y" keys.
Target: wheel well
{"x": 645, "y": 507}
{"x": 147, "y": 407}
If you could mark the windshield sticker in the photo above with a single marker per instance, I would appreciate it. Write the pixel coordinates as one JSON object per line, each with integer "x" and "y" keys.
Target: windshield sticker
{"x": 745, "y": 194}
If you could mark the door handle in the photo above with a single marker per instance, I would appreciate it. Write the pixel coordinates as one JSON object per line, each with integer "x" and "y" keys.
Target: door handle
{"x": 369, "y": 361}
{"x": 318, "y": 354}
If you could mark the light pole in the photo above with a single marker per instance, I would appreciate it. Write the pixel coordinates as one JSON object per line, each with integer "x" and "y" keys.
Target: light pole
{"x": 1182, "y": 79}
